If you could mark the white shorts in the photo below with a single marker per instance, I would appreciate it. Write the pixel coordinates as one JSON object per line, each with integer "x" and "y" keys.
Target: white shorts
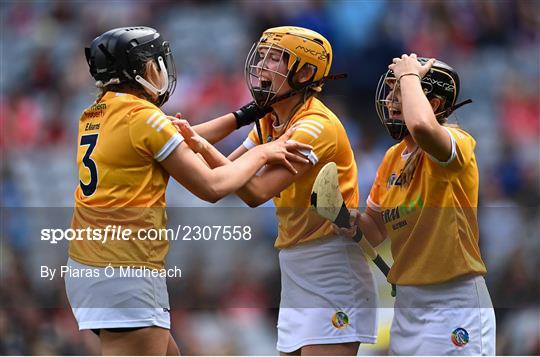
{"x": 102, "y": 301}
{"x": 455, "y": 318}
{"x": 328, "y": 295}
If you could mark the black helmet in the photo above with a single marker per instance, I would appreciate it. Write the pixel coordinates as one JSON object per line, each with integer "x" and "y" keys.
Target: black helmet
{"x": 119, "y": 56}
{"x": 442, "y": 81}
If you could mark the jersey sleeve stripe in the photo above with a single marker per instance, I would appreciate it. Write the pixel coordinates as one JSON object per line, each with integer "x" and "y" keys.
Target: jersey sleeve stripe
{"x": 152, "y": 117}
{"x": 165, "y": 122}
{"x": 308, "y": 131}
{"x": 310, "y": 126}
{"x": 311, "y": 122}
{"x": 452, "y": 156}
{"x": 249, "y": 144}
{"x": 169, "y": 146}
{"x": 160, "y": 119}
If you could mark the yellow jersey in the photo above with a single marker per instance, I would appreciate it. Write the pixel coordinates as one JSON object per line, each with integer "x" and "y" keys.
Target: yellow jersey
{"x": 317, "y": 126}
{"x": 432, "y": 222}
{"x": 122, "y": 139}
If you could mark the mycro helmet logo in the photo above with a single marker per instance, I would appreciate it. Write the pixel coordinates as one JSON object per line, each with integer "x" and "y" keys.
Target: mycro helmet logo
{"x": 449, "y": 87}
{"x": 321, "y": 56}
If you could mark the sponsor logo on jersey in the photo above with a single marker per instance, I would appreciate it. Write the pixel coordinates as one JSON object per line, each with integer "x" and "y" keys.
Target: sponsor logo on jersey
{"x": 96, "y": 110}
{"x": 340, "y": 320}
{"x": 391, "y": 180}
{"x": 460, "y": 337}
{"x": 394, "y": 179}
{"x": 99, "y": 106}
{"x": 398, "y": 212}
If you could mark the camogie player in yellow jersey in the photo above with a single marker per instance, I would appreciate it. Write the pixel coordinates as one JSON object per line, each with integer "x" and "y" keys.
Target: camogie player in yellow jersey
{"x": 425, "y": 198}
{"x": 328, "y": 298}
{"x": 127, "y": 149}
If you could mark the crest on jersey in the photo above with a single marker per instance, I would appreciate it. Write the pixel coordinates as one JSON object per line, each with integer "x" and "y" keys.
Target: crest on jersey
{"x": 340, "y": 320}
{"x": 460, "y": 337}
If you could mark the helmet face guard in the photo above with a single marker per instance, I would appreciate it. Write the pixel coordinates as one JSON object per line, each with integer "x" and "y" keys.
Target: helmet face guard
{"x": 263, "y": 78}
{"x": 386, "y": 105}
{"x": 294, "y": 48}
{"x": 442, "y": 82}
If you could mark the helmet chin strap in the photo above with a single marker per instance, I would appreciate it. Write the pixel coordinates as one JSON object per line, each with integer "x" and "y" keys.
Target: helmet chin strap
{"x": 164, "y": 79}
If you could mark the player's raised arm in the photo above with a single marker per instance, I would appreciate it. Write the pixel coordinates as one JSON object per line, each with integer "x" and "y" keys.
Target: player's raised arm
{"x": 418, "y": 113}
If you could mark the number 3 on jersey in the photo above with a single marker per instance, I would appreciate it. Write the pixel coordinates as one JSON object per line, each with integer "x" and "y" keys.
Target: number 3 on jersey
{"x": 89, "y": 188}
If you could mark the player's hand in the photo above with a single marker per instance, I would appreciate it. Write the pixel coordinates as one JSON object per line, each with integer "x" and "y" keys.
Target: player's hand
{"x": 284, "y": 151}
{"x": 196, "y": 142}
{"x": 409, "y": 64}
{"x": 176, "y": 120}
{"x": 353, "y": 222}
{"x": 249, "y": 113}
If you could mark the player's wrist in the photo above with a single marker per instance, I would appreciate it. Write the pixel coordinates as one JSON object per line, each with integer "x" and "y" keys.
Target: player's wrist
{"x": 249, "y": 113}
{"x": 409, "y": 75}
{"x": 240, "y": 119}
{"x": 261, "y": 151}
{"x": 201, "y": 148}
{"x": 266, "y": 156}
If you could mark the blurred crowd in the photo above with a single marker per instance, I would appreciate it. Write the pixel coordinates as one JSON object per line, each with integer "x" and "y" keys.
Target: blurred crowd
{"x": 45, "y": 85}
